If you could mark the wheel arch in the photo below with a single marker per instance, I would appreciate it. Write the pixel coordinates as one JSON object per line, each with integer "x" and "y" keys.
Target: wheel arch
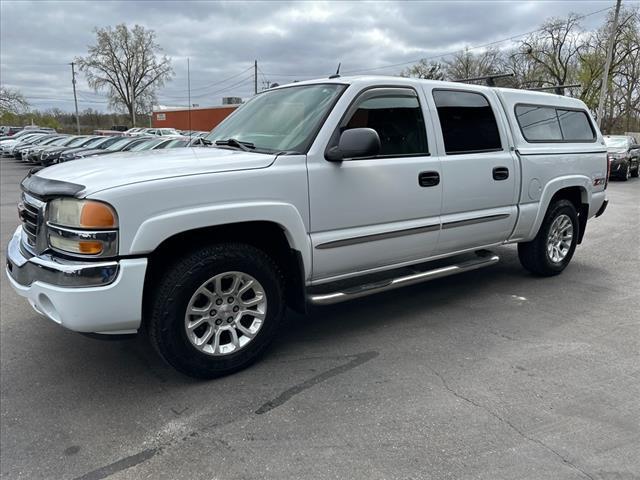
{"x": 268, "y": 236}
{"x": 574, "y": 189}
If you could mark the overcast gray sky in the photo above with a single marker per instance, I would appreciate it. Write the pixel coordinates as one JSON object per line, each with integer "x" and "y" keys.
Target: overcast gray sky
{"x": 290, "y": 40}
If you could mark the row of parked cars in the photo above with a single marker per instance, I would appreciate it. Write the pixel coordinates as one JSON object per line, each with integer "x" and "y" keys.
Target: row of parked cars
{"x": 164, "y": 132}
{"x": 49, "y": 148}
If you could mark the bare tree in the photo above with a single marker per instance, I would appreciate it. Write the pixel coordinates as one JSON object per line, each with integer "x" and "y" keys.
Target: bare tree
{"x": 624, "y": 73}
{"x": 466, "y": 64}
{"x": 12, "y": 101}
{"x": 129, "y": 64}
{"x": 556, "y": 49}
{"x": 425, "y": 69}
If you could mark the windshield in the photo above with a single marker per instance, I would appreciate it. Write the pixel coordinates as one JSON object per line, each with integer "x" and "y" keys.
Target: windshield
{"x": 618, "y": 142}
{"x": 119, "y": 144}
{"x": 44, "y": 140}
{"x": 102, "y": 142}
{"x": 146, "y": 145}
{"x": 77, "y": 141}
{"x": 285, "y": 119}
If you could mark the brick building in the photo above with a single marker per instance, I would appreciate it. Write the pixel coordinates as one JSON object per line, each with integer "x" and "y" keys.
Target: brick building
{"x": 202, "y": 118}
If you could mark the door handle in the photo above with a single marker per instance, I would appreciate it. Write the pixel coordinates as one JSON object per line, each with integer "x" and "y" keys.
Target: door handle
{"x": 500, "y": 173}
{"x": 428, "y": 179}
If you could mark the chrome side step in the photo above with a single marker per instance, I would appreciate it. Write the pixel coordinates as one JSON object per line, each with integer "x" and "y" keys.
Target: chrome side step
{"x": 484, "y": 259}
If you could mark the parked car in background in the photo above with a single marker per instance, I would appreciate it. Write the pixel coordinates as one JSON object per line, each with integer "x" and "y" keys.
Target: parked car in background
{"x": 51, "y": 154}
{"x": 32, "y": 155}
{"x": 623, "y": 153}
{"x": 151, "y": 144}
{"x": 19, "y": 135}
{"x": 17, "y": 149}
{"x": 162, "y": 132}
{"x": 10, "y": 143}
{"x": 133, "y": 131}
{"x": 96, "y": 145}
{"x": 123, "y": 144}
{"x": 10, "y": 131}
{"x": 42, "y": 129}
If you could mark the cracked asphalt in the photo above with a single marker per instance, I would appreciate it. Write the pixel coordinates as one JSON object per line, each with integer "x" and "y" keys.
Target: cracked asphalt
{"x": 493, "y": 374}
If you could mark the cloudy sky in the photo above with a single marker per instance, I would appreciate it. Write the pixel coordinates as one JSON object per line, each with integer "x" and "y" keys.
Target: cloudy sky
{"x": 290, "y": 40}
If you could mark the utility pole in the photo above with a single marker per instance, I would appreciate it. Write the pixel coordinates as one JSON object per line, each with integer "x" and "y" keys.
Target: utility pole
{"x": 75, "y": 97}
{"x": 255, "y": 77}
{"x": 607, "y": 65}
{"x": 189, "y": 92}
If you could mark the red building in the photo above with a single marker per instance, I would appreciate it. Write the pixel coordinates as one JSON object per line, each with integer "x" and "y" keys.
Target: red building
{"x": 202, "y": 118}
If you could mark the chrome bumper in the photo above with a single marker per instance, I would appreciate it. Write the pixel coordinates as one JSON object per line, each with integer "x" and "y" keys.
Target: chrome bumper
{"x": 25, "y": 268}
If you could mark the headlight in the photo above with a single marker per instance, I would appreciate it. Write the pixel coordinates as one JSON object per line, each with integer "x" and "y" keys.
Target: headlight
{"x": 82, "y": 227}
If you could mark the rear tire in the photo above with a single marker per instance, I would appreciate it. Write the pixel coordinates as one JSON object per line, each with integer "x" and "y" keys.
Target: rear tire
{"x": 194, "y": 283}
{"x": 551, "y": 250}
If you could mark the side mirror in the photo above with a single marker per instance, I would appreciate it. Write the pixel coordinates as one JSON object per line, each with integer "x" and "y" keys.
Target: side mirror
{"x": 354, "y": 143}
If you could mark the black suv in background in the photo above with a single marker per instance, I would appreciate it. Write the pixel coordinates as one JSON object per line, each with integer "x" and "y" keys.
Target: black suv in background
{"x": 623, "y": 153}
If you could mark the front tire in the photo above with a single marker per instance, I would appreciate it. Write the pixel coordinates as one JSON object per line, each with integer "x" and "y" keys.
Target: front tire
{"x": 216, "y": 310}
{"x": 627, "y": 173}
{"x": 551, "y": 250}
{"x": 636, "y": 172}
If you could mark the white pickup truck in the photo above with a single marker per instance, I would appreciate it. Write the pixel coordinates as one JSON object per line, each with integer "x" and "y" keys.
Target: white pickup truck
{"x": 311, "y": 193}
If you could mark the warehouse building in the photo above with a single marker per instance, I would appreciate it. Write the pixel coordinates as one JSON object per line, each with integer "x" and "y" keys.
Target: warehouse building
{"x": 197, "y": 118}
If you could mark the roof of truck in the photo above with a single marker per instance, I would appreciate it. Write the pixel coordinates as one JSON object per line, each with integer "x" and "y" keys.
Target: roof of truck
{"x": 510, "y": 95}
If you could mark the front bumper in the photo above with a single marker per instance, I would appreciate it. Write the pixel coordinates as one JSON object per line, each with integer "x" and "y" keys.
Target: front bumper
{"x": 100, "y": 297}
{"x": 617, "y": 168}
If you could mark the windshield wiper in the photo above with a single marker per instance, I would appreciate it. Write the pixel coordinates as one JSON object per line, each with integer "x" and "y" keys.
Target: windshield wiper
{"x": 232, "y": 142}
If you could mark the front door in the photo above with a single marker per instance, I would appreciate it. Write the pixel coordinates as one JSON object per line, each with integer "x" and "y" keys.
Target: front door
{"x": 371, "y": 213}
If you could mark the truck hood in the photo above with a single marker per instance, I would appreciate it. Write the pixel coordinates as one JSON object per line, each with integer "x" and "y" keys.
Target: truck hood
{"x": 118, "y": 169}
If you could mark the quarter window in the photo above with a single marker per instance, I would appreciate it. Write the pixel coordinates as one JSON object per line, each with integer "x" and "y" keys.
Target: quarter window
{"x": 396, "y": 117}
{"x": 539, "y": 123}
{"x": 549, "y": 124}
{"x": 467, "y": 121}
{"x": 575, "y": 125}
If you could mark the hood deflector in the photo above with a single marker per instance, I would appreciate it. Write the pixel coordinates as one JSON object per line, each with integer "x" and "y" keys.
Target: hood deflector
{"x": 46, "y": 188}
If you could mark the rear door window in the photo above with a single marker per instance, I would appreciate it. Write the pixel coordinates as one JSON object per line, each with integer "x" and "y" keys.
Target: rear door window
{"x": 467, "y": 121}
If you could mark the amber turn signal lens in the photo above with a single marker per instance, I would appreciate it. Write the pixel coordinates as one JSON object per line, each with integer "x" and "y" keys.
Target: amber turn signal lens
{"x": 97, "y": 215}
{"x": 92, "y": 248}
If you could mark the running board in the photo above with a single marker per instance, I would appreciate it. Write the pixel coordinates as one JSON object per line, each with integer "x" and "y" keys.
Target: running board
{"x": 484, "y": 259}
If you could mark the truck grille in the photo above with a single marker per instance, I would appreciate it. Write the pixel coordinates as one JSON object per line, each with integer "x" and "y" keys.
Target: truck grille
{"x": 29, "y": 210}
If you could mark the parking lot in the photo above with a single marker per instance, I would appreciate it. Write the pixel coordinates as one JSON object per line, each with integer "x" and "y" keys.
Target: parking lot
{"x": 492, "y": 374}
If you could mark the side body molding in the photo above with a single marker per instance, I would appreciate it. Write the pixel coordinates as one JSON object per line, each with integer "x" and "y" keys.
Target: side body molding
{"x": 153, "y": 231}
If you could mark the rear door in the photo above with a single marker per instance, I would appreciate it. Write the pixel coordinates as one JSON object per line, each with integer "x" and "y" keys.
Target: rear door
{"x": 480, "y": 172}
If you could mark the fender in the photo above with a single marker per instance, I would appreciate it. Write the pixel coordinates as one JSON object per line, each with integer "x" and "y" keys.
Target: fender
{"x": 153, "y": 231}
{"x": 551, "y": 188}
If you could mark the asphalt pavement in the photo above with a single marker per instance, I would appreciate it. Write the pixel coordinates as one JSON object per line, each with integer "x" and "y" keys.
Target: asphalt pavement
{"x": 493, "y": 374}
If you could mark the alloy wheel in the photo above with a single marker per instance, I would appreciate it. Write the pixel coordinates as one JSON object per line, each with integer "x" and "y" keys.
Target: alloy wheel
{"x": 225, "y": 313}
{"x": 559, "y": 238}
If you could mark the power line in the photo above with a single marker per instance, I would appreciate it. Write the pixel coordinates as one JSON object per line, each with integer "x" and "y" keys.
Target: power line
{"x": 434, "y": 57}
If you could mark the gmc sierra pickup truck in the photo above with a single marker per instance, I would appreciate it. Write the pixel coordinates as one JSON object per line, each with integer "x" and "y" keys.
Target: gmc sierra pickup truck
{"x": 309, "y": 194}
